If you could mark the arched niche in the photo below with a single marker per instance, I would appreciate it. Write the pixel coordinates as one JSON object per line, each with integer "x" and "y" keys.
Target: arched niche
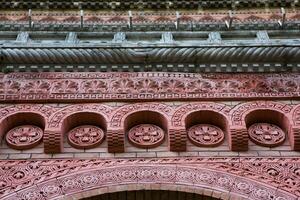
{"x": 213, "y": 123}
{"x": 33, "y": 125}
{"x": 85, "y": 124}
{"x": 267, "y": 119}
{"x": 154, "y": 124}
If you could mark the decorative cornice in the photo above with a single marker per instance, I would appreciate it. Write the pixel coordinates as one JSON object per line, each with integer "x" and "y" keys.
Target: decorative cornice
{"x": 144, "y": 4}
{"x": 75, "y": 87}
{"x": 166, "y": 20}
{"x": 243, "y": 55}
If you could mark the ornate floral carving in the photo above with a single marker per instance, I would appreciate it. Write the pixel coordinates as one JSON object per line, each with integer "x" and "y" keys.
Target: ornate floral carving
{"x": 146, "y": 135}
{"x": 57, "y": 118}
{"x": 66, "y": 86}
{"x": 240, "y": 111}
{"x": 200, "y": 86}
{"x": 94, "y": 86}
{"x": 121, "y": 113}
{"x": 143, "y": 85}
{"x": 123, "y": 86}
{"x": 205, "y": 135}
{"x": 24, "y": 137}
{"x": 36, "y": 87}
{"x": 266, "y": 134}
{"x": 248, "y": 177}
{"x": 147, "y": 86}
{"x": 85, "y": 137}
{"x": 178, "y": 118}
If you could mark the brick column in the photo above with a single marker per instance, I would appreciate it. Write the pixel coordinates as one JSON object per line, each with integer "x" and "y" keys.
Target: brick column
{"x": 52, "y": 141}
{"x": 295, "y": 138}
{"x": 238, "y": 138}
{"x": 177, "y": 139}
{"x": 115, "y": 141}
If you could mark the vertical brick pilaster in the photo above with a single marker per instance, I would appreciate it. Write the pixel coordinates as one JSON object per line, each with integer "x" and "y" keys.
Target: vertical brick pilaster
{"x": 238, "y": 139}
{"x": 177, "y": 139}
{"x": 52, "y": 141}
{"x": 116, "y": 141}
{"x": 295, "y": 138}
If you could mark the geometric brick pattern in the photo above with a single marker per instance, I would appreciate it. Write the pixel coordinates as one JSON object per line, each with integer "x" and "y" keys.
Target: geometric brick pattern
{"x": 238, "y": 139}
{"x": 295, "y": 138}
{"x": 115, "y": 141}
{"x": 177, "y": 140}
{"x": 52, "y": 141}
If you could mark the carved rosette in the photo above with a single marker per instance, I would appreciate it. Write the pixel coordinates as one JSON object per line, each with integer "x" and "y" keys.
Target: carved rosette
{"x": 85, "y": 137}
{"x": 24, "y": 137}
{"x": 265, "y": 134}
{"x": 146, "y": 136}
{"x": 205, "y": 135}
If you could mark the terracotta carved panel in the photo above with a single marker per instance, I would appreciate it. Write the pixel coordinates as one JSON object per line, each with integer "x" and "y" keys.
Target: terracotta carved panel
{"x": 24, "y": 137}
{"x": 146, "y": 135}
{"x": 145, "y": 86}
{"x": 85, "y": 137}
{"x": 205, "y": 135}
{"x": 266, "y": 134}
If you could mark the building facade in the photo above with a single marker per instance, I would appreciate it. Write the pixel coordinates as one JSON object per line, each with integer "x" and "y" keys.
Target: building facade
{"x": 150, "y": 99}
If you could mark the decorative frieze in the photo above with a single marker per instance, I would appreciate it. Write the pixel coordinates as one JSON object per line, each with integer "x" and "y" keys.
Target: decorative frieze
{"x": 251, "y": 178}
{"x": 72, "y": 87}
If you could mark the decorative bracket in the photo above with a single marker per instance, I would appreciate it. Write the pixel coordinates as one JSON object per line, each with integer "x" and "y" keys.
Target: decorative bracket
{"x": 130, "y": 20}
{"x": 119, "y": 37}
{"x": 30, "y": 18}
{"x": 283, "y": 18}
{"x": 262, "y": 36}
{"x": 177, "y": 23}
{"x": 81, "y": 18}
{"x": 22, "y": 37}
{"x": 229, "y": 23}
{"x": 71, "y": 38}
{"x": 214, "y": 37}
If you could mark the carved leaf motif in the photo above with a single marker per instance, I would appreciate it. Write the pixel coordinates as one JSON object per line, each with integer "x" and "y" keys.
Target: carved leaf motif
{"x": 284, "y": 86}
{"x": 94, "y": 86}
{"x": 227, "y": 86}
{"x": 123, "y": 86}
{"x": 172, "y": 86}
{"x": 147, "y": 86}
{"x": 36, "y": 87}
{"x": 66, "y": 86}
{"x": 199, "y": 86}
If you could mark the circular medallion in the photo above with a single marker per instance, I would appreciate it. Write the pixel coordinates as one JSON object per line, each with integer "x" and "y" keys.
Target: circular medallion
{"x": 205, "y": 135}
{"x": 85, "y": 137}
{"x": 24, "y": 137}
{"x": 146, "y": 136}
{"x": 265, "y": 134}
